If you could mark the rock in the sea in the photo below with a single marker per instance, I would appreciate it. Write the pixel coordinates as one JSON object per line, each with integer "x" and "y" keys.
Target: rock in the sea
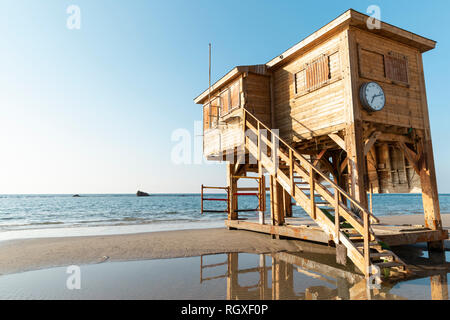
{"x": 76, "y": 196}
{"x": 142, "y": 194}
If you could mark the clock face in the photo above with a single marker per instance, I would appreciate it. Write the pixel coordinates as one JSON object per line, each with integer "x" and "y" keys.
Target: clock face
{"x": 372, "y": 96}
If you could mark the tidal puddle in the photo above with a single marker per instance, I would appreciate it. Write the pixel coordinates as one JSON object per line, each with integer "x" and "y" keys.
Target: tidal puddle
{"x": 222, "y": 276}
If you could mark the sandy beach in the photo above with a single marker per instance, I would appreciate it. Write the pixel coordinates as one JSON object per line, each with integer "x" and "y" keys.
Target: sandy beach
{"x": 31, "y": 254}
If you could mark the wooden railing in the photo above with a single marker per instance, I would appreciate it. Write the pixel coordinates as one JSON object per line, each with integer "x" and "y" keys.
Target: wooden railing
{"x": 308, "y": 172}
{"x": 227, "y": 199}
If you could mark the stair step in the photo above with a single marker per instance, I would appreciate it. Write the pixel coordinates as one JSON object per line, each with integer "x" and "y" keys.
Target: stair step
{"x": 392, "y": 264}
{"x": 381, "y": 254}
{"x": 373, "y": 245}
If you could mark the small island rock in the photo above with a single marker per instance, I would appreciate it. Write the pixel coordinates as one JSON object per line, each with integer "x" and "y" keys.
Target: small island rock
{"x": 142, "y": 194}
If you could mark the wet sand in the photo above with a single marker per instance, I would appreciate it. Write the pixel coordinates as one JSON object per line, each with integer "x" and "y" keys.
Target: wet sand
{"x": 31, "y": 254}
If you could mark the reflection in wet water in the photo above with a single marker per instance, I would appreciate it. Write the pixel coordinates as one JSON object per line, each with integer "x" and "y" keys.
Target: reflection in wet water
{"x": 283, "y": 275}
{"x": 291, "y": 276}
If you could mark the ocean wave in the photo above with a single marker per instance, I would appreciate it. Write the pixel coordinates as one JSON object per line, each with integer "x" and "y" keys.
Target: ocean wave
{"x": 33, "y": 224}
{"x": 103, "y": 223}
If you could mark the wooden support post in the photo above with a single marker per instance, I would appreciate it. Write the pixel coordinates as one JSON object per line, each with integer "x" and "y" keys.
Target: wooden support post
{"x": 311, "y": 193}
{"x": 261, "y": 199}
{"x": 274, "y": 153}
{"x": 202, "y": 199}
{"x": 430, "y": 197}
{"x": 372, "y": 173}
{"x": 356, "y": 164}
{"x": 427, "y": 171}
{"x": 287, "y": 204}
{"x": 244, "y": 124}
{"x": 385, "y": 159}
{"x": 262, "y": 181}
{"x": 278, "y": 204}
{"x": 264, "y": 195}
{"x": 343, "y": 165}
{"x": 405, "y": 170}
{"x": 232, "y": 184}
{"x": 259, "y": 151}
{"x": 354, "y": 142}
{"x": 366, "y": 243}
{"x": 272, "y": 200}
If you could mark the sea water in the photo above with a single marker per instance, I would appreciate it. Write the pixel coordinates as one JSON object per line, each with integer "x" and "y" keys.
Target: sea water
{"x": 25, "y": 216}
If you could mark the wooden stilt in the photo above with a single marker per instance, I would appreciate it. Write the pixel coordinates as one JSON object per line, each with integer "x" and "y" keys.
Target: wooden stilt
{"x": 278, "y": 204}
{"x": 202, "y": 200}
{"x": 354, "y": 140}
{"x": 430, "y": 196}
{"x": 287, "y": 204}
{"x": 272, "y": 200}
{"x": 356, "y": 163}
{"x": 232, "y": 184}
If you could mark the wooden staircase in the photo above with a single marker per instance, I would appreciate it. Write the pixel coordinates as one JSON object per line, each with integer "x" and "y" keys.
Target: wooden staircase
{"x": 340, "y": 216}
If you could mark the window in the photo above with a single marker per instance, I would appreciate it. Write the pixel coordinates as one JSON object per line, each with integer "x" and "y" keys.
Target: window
{"x": 234, "y": 95}
{"x": 220, "y": 105}
{"x": 300, "y": 81}
{"x": 225, "y": 102}
{"x": 211, "y": 114}
{"x": 396, "y": 68}
{"x": 371, "y": 64}
{"x": 229, "y": 99}
{"x": 315, "y": 75}
{"x": 381, "y": 66}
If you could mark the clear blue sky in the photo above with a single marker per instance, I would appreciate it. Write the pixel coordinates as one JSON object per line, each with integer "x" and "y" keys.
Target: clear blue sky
{"x": 93, "y": 110}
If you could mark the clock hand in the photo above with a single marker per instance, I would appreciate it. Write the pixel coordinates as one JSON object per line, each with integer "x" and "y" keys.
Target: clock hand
{"x": 377, "y": 95}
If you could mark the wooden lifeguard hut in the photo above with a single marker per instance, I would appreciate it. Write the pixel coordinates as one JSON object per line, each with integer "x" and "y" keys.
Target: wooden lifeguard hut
{"x": 340, "y": 115}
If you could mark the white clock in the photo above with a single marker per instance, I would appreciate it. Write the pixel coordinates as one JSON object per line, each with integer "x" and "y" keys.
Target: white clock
{"x": 372, "y": 96}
